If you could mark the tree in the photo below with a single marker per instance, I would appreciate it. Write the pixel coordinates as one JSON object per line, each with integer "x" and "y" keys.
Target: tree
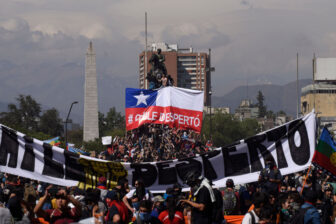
{"x": 26, "y": 115}
{"x": 226, "y": 129}
{"x": 114, "y": 119}
{"x": 51, "y": 123}
{"x": 262, "y": 108}
{"x": 114, "y": 122}
{"x": 270, "y": 114}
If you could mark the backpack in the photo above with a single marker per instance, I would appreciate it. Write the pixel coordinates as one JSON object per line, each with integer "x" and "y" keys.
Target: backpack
{"x": 298, "y": 218}
{"x": 253, "y": 218}
{"x": 229, "y": 201}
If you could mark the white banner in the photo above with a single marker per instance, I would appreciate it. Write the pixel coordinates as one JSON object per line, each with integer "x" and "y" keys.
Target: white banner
{"x": 291, "y": 146}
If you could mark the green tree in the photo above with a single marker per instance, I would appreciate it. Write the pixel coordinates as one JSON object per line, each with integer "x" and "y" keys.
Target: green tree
{"x": 260, "y": 103}
{"x": 26, "y": 115}
{"x": 281, "y": 112}
{"x": 114, "y": 119}
{"x": 51, "y": 123}
{"x": 270, "y": 114}
{"x": 111, "y": 124}
{"x": 95, "y": 145}
{"x": 226, "y": 129}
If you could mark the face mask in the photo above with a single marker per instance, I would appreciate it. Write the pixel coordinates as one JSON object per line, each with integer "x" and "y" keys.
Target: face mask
{"x": 160, "y": 207}
{"x": 144, "y": 216}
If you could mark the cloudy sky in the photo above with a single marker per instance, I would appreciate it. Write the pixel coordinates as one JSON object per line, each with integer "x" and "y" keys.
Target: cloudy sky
{"x": 43, "y": 42}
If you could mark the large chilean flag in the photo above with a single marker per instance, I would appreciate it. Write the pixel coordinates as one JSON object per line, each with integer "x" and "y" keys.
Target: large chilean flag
{"x": 176, "y": 107}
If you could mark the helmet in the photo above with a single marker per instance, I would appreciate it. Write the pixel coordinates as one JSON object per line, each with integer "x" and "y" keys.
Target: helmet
{"x": 192, "y": 177}
{"x": 229, "y": 183}
{"x": 159, "y": 50}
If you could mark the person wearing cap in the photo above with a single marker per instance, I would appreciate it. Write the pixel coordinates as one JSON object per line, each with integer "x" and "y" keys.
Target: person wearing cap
{"x": 270, "y": 177}
{"x": 102, "y": 187}
{"x": 230, "y": 198}
{"x": 327, "y": 201}
{"x": 120, "y": 189}
{"x": 158, "y": 205}
{"x": 117, "y": 210}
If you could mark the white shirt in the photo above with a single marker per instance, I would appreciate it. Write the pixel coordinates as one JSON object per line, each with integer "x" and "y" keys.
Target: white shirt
{"x": 248, "y": 218}
{"x": 130, "y": 194}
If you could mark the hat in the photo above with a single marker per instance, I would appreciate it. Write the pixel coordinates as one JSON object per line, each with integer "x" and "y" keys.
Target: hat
{"x": 112, "y": 195}
{"x": 158, "y": 198}
{"x": 229, "y": 183}
{"x": 102, "y": 180}
{"x": 328, "y": 187}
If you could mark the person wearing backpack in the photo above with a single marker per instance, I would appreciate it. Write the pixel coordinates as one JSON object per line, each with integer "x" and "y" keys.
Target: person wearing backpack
{"x": 308, "y": 212}
{"x": 230, "y": 198}
{"x": 253, "y": 216}
{"x": 217, "y": 211}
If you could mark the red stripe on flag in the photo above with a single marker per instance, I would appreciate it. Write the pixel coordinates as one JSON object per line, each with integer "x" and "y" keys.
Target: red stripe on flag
{"x": 172, "y": 116}
{"x": 324, "y": 162}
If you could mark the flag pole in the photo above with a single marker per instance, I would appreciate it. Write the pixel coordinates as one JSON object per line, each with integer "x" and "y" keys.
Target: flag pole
{"x": 305, "y": 180}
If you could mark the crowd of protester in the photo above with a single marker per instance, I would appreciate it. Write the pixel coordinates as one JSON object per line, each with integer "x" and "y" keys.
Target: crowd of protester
{"x": 303, "y": 197}
{"x": 156, "y": 142}
{"x": 295, "y": 198}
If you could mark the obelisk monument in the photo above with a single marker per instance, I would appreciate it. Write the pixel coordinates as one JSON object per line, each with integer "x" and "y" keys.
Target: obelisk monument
{"x": 91, "y": 130}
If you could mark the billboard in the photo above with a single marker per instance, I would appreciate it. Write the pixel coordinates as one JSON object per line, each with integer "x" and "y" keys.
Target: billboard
{"x": 325, "y": 69}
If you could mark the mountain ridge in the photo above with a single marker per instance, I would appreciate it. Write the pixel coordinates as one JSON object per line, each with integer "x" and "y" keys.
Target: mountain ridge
{"x": 276, "y": 97}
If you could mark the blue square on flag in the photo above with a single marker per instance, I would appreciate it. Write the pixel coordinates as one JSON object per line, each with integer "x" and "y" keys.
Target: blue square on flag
{"x": 140, "y": 98}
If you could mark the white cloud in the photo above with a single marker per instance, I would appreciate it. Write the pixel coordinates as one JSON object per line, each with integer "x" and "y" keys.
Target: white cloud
{"x": 250, "y": 39}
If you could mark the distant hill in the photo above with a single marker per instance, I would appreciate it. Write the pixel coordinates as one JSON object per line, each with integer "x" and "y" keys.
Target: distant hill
{"x": 277, "y": 97}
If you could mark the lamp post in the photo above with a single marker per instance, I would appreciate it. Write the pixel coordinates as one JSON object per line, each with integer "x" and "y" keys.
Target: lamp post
{"x": 210, "y": 69}
{"x": 210, "y": 93}
{"x": 66, "y": 125}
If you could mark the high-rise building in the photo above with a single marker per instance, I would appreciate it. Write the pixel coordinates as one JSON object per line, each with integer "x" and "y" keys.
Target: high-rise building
{"x": 321, "y": 95}
{"x": 189, "y": 69}
{"x": 91, "y": 130}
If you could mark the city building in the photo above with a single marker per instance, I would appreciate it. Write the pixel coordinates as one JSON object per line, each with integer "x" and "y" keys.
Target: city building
{"x": 189, "y": 69}
{"x": 246, "y": 110}
{"x": 321, "y": 95}
{"x": 222, "y": 110}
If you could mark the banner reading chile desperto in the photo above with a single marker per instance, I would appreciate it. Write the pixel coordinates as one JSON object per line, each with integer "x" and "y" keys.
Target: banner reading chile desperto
{"x": 176, "y": 107}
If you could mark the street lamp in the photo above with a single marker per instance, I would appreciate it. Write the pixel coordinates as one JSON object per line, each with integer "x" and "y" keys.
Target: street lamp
{"x": 210, "y": 93}
{"x": 66, "y": 125}
{"x": 210, "y": 69}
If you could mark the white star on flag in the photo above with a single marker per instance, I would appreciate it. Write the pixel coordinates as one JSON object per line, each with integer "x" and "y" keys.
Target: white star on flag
{"x": 141, "y": 98}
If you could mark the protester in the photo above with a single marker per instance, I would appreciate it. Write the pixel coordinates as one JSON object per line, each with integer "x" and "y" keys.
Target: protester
{"x": 136, "y": 195}
{"x": 311, "y": 215}
{"x": 202, "y": 198}
{"x": 253, "y": 216}
{"x": 158, "y": 206}
{"x": 144, "y": 216}
{"x": 117, "y": 210}
{"x": 230, "y": 199}
{"x": 63, "y": 213}
{"x": 171, "y": 215}
{"x": 270, "y": 178}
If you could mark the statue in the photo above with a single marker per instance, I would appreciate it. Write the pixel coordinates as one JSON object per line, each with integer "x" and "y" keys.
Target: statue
{"x": 158, "y": 70}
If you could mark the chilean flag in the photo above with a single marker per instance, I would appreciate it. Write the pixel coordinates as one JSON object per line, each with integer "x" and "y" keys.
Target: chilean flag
{"x": 176, "y": 107}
